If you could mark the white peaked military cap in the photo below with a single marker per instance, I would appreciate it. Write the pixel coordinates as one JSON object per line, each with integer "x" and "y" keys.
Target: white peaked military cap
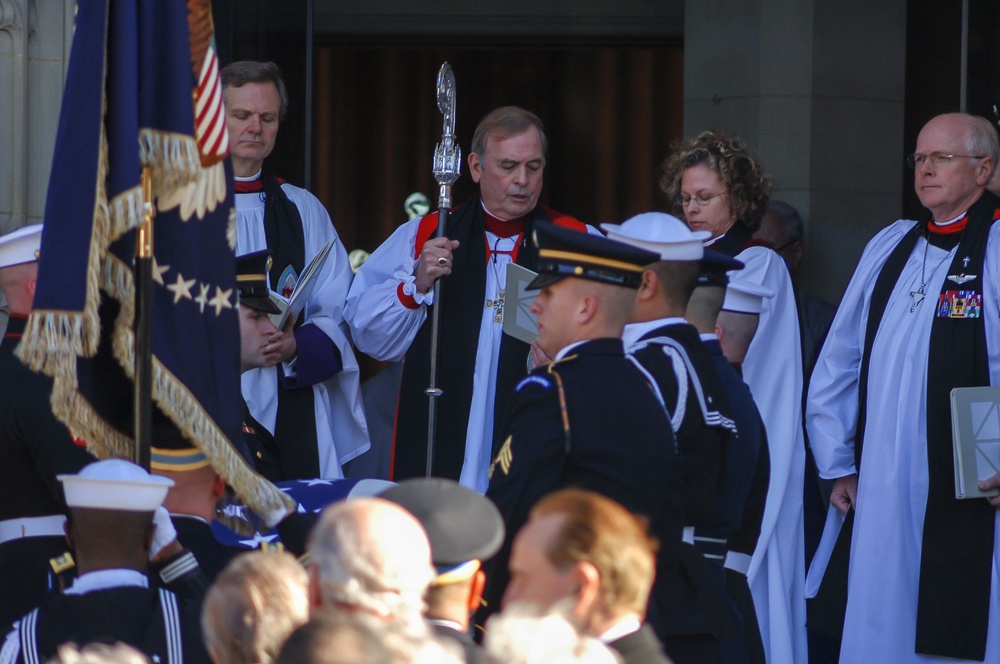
{"x": 21, "y": 246}
{"x": 743, "y": 297}
{"x": 115, "y": 484}
{"x": 662, "y": 233}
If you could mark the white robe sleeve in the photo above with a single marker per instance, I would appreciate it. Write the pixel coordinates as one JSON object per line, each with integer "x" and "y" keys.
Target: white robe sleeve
{"x": 832, "y": 405}
{"x": 773, "y": 371}
{"x": 991, "y": 306}
{"x": 381, "y": 325}
{"x": 341, "y": 428}
{"x": 10, "y": 652}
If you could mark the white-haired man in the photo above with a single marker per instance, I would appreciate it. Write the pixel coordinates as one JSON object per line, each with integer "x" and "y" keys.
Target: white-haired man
{"x": 921, "y": 316}
{"x": 372, "y": 556}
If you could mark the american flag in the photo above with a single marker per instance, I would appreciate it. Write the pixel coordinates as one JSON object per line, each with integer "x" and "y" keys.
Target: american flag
{"x": 142, "y": 91}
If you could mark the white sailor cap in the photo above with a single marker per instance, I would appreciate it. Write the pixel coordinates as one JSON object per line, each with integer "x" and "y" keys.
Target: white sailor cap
{"x": 21, "y": 246}
{"x": 115, "y": 484}
{"x": 745, "y": 298}
{"x": 661, "y": 233}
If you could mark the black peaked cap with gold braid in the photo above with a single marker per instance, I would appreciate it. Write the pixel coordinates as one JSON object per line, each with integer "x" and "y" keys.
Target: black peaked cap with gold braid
{"x": 251, "y": 281}
{"x": 564, "y": 252}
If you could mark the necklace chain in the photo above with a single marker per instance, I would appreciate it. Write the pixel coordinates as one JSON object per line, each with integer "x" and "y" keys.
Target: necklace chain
{"x": 917, "y": 296}
{"x": 497, "y": 304}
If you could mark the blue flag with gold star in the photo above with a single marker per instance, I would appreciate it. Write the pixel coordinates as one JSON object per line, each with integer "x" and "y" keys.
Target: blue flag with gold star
{"x": 143, "y": 91}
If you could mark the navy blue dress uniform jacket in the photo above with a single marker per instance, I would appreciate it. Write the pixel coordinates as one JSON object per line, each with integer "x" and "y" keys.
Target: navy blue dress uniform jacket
{"x": 641, "y": 647}
{"x": 34, "y": 448}
{"x": 196, "y": 536}
{"x": 699, "y": 614}
{"x": 613, "y": 438}
{"x": 154, "y": 621}
{"x": 162, "y": 620}
{"x": 744, "y": 496}
{"x": 260, "y": 449}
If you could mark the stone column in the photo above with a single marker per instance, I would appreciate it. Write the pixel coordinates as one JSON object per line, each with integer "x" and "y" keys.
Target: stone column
{"x": 816, "y": 88}
{"x": 35, "y": 37}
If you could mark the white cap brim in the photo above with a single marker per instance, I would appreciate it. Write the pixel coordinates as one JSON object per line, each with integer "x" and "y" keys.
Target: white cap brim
{"x": 661, "y": 233}
{"x": 745, "y": 298}
{"x": 115, "y": 484}
{"x": 21, "y": 246}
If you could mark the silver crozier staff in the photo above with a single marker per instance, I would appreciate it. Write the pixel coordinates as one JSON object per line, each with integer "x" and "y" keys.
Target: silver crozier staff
{"x": 447, "y": 167}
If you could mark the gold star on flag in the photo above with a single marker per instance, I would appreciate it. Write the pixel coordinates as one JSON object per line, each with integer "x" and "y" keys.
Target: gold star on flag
{"x": 202, "y": 298}
{"x": 181, "y": 288}
{"x": 221, "y": 300}
{"x": 159, "y": 271}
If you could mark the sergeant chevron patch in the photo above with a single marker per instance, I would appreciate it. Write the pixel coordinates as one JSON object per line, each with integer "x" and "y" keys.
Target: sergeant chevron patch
{"x": 504, "y": 457}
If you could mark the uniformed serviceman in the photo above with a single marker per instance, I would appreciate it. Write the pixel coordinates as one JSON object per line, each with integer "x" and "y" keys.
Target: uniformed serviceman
{"x": 590, "y": 418}
{"x": 256, "y": 329}
{"x": 112, "y": 529}
{"x": 198, "y": 488}
{"x": 34, "y": 446}
{"x": 699, "y": 616}
{"x": 738, "y": 519}
{"x": 192, "y": 499}
{"x": 464, "y": 529}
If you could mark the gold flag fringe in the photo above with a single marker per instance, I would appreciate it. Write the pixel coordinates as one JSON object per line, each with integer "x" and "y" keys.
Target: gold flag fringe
{"x": 195, "y": 424}
{"x": 124, "y": 213}
{"x": 231, "y": 229}
{"x": 177, "y": 402}
{"x": 53, "y": 340}
{"x": 174, "y": 158}
{"x": 103, "y": 440}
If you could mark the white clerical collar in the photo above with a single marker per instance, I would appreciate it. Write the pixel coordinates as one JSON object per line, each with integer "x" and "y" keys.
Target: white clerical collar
{"x": 712, "y": 240}
{"x": 941, "y": 224}
{"x": 565, "y": 351}
{"x": 620, "y": 629}
{"x": 193, "y": 517}
{"x": 487, "y": 211}
{"x": 107, "y": 578}
{"x": 635, "y": 331}
{"x": 708, "y": 336}
{"x": 450, "y": 624}
{"x": 255, "y": 176}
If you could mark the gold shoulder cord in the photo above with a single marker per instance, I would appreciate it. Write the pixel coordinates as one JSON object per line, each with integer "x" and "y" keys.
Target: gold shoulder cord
{"x": 562, "y": 404}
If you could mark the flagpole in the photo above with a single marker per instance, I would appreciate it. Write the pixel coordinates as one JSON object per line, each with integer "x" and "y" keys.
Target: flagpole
{"x": 447, "y": 167}
{"x": 143, "y": 414}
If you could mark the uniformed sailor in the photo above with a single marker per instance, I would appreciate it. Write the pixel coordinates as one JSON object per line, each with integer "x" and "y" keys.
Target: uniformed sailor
{"x": 464, "y": 529}
{"x": 34, "y": 446}
{"x": 116, "y": 538}
{"x": 669, "y": 349}
{"x": 741, "y": 502}
{"x": 589, "y": 419}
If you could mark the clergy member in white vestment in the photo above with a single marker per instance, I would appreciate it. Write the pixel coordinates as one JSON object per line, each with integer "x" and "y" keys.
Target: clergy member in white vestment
{"x": 310, "y": 398}
{"x": 921, "y": 315}
{"x": 387, "y": 307}
{"x": 717, "y": 185}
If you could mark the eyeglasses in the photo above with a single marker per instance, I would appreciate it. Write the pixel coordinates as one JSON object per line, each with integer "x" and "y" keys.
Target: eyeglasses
{"x": 939, "y": 159}
{"x": 700, "y": 199}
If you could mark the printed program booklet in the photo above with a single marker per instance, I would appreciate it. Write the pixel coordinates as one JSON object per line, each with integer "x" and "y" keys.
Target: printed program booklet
{"x": 303, "y": 288}
{"x": 975, "y": 423}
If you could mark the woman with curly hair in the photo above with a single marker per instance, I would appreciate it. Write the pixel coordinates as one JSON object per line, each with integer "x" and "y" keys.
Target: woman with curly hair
{"x": 718, "y": 186}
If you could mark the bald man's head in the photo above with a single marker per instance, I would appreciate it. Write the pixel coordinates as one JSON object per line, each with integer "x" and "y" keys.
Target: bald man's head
{"x": 370, "y": 555}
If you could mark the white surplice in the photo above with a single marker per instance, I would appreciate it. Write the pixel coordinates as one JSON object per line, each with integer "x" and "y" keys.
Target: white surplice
{"x": 773, "y": 371}
{"x": 384, "y": 328}
{"x": 892, "y": 491}
{"x": 341, "y": 429}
